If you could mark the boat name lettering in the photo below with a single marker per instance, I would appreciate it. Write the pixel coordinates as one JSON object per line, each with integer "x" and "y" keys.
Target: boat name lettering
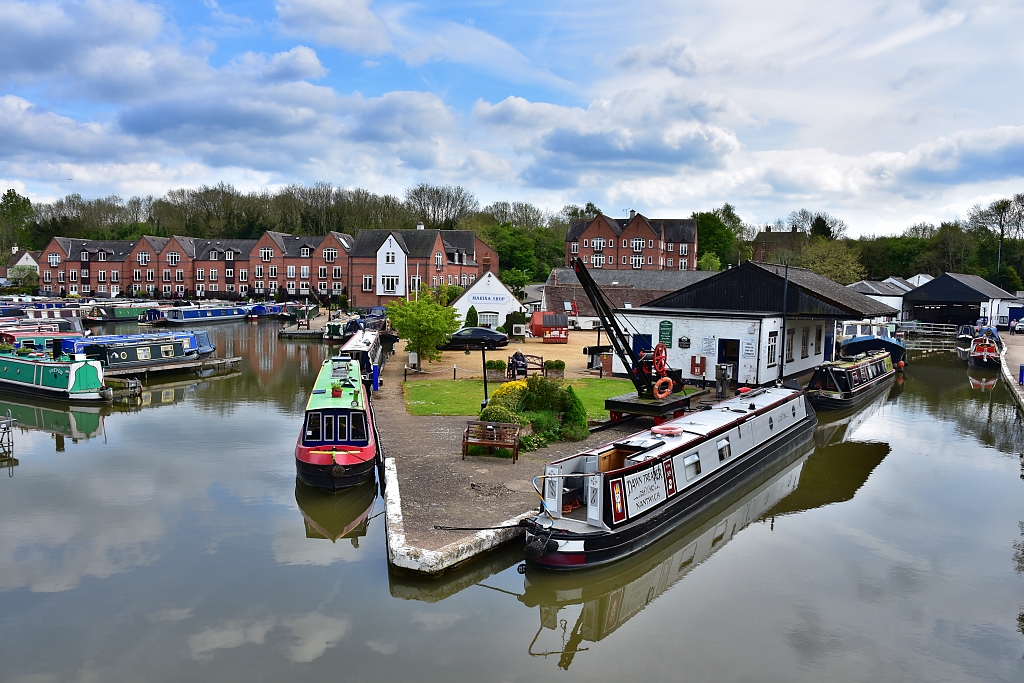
{"x": 644, "y": 489}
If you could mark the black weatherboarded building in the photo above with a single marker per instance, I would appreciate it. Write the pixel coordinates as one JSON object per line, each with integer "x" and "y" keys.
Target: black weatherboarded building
{"x": 955, "y": 298}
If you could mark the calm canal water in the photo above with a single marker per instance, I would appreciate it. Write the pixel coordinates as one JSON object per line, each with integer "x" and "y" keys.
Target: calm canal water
{"x": 169, "y": 542}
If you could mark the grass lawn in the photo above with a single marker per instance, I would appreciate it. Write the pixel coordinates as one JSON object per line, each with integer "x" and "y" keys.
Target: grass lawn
{"x": 462, "y": 397}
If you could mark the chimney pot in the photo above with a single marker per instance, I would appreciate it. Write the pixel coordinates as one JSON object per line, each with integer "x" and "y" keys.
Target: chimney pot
{"x": 419, "y": 226}
{"x": 768, "y": 228}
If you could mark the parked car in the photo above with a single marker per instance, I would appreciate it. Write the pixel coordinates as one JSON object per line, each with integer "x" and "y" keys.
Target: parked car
{"x": 476, "y": 337}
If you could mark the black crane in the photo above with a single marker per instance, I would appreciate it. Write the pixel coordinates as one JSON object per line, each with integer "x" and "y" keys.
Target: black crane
{"x": 635, "y": 367}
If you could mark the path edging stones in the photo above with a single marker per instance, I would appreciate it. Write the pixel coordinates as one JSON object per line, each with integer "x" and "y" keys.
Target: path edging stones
{"x": 1010, "y": 380}
{"x": 433, "y": 562}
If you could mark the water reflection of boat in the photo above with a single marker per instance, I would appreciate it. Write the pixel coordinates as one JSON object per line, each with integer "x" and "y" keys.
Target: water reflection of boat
{"x": 70, "y": 420}
{"x": 610, "y": 596}
{"x": 336, "y": 515}
{"x": 836, "y": 426}
{"x": 982, "y": 382}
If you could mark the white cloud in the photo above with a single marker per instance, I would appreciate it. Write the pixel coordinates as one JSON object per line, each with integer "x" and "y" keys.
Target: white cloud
{"x": 348, "y": 24}
{"x": 298, "y": 64}
{"x": 314, "y": 634}
{"x": 230, "y": 635}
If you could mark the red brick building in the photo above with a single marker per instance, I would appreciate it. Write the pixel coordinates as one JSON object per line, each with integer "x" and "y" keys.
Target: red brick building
{"x": 89, "y": 267}
{"x": 391, "y": 264}
{"x": 635, "y": 243}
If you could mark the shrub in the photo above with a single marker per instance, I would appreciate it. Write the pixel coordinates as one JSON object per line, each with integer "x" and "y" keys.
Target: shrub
{"x": 495, "y": 365}
{"x": 545, "y": 423}
{"x": 513, "y": 318}
{"x": 554, "y": 365}
{"x": 542, "y": 394}
{"x": 498, "y": 413}
{"x": 472, "y": 319}
{"x": 509, "y": 394}
{"x": 574, "y": 420}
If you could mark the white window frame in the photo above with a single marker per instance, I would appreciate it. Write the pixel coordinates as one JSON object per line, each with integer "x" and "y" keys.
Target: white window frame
{"x": 54, "y": 260}
{"x": 367, "y": 283}
{"x": 574, "y": 248}
{"x": 266, "y": 254}
{"x": 389, "y": 284}
{"x": 330, "y": 255}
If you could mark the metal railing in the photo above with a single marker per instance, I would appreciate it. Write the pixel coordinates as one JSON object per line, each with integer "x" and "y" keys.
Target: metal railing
{"x": 929, "y": 329}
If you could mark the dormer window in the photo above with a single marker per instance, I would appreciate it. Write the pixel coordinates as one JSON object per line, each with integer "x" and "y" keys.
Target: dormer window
{"x": 229, "y": 256}
{"x": 84, "y": 256}
{"x": 304, "y": 252}
{"x": 213, "y": 255}
{"x": 101, "y": 256}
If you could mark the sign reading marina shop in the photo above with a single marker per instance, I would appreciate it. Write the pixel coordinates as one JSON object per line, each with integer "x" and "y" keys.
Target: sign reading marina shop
{"x": 665, "y": 333}
{"x": 644, "y": 489}
{"x": 483, "y": 298}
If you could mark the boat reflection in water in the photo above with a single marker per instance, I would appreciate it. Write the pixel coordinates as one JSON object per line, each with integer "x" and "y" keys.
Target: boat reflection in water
{"x": 981, "y": 380}
{"x": 64, "y": 420}
{"x": 345, "y": 514}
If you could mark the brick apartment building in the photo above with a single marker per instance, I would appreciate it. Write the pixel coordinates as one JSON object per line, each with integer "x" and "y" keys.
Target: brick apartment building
{"x": 362, "y": 266}
{"x": 778, "y": 246}
{"x": 391, "y": 264}
{"x": 635, "y": 243}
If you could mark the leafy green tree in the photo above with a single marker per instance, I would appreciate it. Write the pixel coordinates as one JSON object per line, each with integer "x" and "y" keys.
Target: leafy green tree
{"x": 1010, "y": 280}
{"x": 15, "y": 214}
{"x": 23, "y": 276}
{"x": 446, "y": 294}
{"x": 832, "y": 259}
{"x": 472, "y": 319}
{"x": 709, "y": 261}
{"x": 424, "y": 323}
{"x": 516, "y": 280}
{"x": 574, "y": 419}
{"x": 713, "y": 236}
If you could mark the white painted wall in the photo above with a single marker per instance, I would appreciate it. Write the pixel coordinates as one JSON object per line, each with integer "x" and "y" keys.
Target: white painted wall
{"x": 489, "y": 295}
{"x": 894, "y": 301}
{"x": 396, "y": 268}
{"x": 752, "y": 332}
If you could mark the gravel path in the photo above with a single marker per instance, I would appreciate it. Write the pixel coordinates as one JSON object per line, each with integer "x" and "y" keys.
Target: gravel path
{"x": 438, "y": 487}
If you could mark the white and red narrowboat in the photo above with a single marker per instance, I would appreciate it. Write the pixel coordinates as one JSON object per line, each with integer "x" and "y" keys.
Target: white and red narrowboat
{"x": 985, "y": 349}
{"x": 612, "y": 501}
{"x": 337, "y": 447}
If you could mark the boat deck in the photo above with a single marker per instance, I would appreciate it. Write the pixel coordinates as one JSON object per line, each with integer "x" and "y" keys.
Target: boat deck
{"x": 201, "y": 364}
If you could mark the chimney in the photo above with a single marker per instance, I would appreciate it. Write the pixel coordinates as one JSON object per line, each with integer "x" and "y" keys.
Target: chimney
{"x": 14, "y": 249}
{"x": 632, "y": 214}
{"x": 793, "y": 229}
{"x": 419, "y": 226}
{"x": 768, "y": 228}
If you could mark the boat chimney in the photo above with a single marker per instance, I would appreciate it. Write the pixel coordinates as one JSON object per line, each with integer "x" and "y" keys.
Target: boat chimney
{"x": 419, "y": 226}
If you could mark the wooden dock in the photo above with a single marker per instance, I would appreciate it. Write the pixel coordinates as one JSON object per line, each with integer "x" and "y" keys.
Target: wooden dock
{"x": 201, "y": 364}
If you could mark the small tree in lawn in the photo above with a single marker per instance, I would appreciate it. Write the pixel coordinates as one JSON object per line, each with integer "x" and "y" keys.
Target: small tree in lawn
{"x": 425, "y": 323}
{"x": 22, "y": 276}
{"x": 472, "y": 320}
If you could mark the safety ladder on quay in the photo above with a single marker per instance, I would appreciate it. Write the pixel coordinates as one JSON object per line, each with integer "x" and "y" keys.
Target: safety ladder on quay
{"x": 7, "y": 459}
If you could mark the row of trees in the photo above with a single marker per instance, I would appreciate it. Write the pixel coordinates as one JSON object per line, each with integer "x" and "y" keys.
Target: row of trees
{"x": 988, "y": 241}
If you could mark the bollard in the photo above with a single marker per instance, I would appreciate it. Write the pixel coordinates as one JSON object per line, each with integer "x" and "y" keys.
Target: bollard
{"x": 454, "y": 368}
{"x": 405, "y": 373}
{"x": 1020, "y": 378}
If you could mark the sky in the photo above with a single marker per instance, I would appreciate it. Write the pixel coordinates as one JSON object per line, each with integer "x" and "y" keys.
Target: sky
{"x": 884, "y": 114}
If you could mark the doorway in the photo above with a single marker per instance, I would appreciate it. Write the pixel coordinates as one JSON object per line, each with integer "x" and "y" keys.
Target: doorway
{"x": 729, "y": 352}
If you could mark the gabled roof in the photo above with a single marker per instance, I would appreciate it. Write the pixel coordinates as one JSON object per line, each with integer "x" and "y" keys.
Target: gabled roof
{"x": 899, "y": 282}
{"x": 463, "y": 240}
{"x": 415, "y": 243}
{"x": 278, "y": 238}
{"x": 758, "y": 287}
{"x": 241, "y": 248}
{"x": 157, "y": 244}
{"x": 116, "y": 250}
{"x": 877, "y": 287}
{"x": 34, "y": 255}
{"x": 675, "y": 229}
{"x": 957, "y": 288}
{"x": 188, "y": 245}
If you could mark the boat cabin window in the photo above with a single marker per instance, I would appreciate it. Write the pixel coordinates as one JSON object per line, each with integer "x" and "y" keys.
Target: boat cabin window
{"x": 167, "y": 351}
{"x": 358, "y": 427}
{"x": 724, "y": 450}
{"x": 850, "y": 330}
{"x": 313, "y": 427}
{"x": 691, "y": 464}
{"x": 328, "y": 428}
{"x": 865, "y": 329}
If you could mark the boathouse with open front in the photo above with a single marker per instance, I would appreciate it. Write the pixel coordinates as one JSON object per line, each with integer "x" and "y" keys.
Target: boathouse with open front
{"x": 958, "y": 299}
{"x": 735, "y": 317}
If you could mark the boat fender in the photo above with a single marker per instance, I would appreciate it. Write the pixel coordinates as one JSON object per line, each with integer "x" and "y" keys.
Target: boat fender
{"x": 900, "y": 365}
{"x": 663, "y": 387}
{"x": 539, "y": 547}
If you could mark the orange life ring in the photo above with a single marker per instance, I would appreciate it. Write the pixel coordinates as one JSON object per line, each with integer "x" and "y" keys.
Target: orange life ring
{"x": 668, "y": 430}
{"x": 665, "y": 382}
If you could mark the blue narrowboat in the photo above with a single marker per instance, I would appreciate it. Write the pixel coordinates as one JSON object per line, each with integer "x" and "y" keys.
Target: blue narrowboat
{"x": 180, "y": 315}
{"x": 266, "y": 310}
{"x": 125, "y": 350}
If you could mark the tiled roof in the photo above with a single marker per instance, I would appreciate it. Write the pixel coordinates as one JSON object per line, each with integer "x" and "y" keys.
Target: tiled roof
{"x": 675, "y": 229}
{"x": 241, "y": 248}
{"x": 415, "y": 243}
{"x": 877, "y": 287}
{"x": 980, "y": 284}
{"x": 659, "y": 280}
{"x": 116, "y": 250}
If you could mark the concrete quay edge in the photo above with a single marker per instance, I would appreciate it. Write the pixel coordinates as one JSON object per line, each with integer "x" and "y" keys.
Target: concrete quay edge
{"x": 1016, "y": 391}
{"x": 435, "y": 562}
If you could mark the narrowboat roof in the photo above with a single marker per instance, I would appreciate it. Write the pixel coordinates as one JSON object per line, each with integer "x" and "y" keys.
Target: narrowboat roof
{"x": 856, "y": 361}
{"x": 361, "y": 341}
{"x": 342, "y": 370}
{"x": 698, "y": 425}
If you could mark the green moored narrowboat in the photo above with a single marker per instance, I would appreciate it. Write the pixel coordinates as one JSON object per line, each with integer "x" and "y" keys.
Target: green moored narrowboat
{"x": 63, "y": 380}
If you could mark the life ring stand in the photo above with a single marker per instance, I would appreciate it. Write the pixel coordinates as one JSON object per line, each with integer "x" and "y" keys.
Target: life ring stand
{"x": 660, "y": 392}
{"x": 667, "y": 430}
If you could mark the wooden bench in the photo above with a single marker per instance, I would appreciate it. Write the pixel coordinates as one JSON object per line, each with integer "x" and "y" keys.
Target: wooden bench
{"x": 491, "y": 435}
{"x": 532, "y": 363}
